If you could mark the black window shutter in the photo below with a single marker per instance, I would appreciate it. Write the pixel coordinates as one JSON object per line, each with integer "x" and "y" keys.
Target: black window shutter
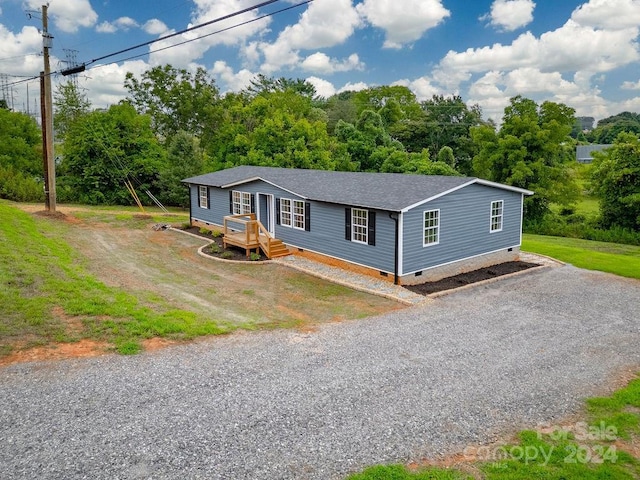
{"x": 347, "y": 224}
{"x": 231, "y": 202}
{"x": 277, "y": 211}
{"x": 253, "y": 203}
{"x": 208, "y": 198}
{"x": 307, "y": 216}
{"x": 371, "y": 234}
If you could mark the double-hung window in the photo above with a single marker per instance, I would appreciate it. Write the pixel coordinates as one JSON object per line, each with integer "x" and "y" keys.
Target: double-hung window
{"x": 292, "y": 213}
{"x": 359, "y": 225}
{"x": 241, "y": 202}
{"x": 298, "y": 214}
{"x": 497, "y": 209}
{"x": 285, "y": 212}
{"x": 431, "y": 227}
{"x": 204, "y": 196}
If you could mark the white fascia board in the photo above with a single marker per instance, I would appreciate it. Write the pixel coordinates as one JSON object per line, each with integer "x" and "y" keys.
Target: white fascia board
{"x": 253, "y": 179}
{"x": 503, "y": 186}
{"x": 442, "y": 194}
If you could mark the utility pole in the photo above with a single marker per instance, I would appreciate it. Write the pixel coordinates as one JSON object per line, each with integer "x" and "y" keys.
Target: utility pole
{"x": 47, "y": 116}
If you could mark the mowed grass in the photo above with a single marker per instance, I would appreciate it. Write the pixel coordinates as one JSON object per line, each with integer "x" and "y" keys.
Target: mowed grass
{"x": 619, "y": 259}
{"x": 47, "y": 296}
{"x": 595, "y": 448}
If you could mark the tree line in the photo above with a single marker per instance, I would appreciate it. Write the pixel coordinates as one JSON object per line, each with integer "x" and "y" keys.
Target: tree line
{"x": 175, "y": 123}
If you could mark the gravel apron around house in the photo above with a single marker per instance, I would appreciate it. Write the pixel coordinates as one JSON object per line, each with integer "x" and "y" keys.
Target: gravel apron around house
{"x": 424, "y": 381}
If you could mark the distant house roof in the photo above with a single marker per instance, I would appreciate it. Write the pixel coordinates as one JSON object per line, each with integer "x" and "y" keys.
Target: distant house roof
{"x": 584, "y": 153}
{"x": 384, "y": 191}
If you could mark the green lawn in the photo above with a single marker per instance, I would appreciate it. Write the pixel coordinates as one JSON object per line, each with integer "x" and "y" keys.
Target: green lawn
{"x": 593, "y": 448}
{"x": 623, "y": 260}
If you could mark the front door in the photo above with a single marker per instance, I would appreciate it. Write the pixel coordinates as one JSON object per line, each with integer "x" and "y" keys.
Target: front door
{"x": 267, "y": 212}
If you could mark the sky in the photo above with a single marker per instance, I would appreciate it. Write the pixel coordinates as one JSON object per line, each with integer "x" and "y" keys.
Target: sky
{"x": 583, "y": 53}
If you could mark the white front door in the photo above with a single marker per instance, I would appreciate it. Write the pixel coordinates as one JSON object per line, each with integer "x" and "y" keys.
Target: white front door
{"x": 267, "y": 212}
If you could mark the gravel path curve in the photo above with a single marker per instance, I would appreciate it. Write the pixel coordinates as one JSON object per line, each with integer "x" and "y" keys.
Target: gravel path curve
{"x": 285, "y": 404}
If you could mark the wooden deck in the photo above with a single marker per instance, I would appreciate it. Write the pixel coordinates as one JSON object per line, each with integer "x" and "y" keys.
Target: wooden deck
{"x": 246, "y": 232}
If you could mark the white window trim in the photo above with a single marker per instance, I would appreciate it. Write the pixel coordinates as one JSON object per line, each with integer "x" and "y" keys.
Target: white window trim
{"x": 291, "y": 210}
{"x": 203, "y": 196}
{"x": 286, "y": 209}
{"x": 240, "y": 207}
{"x": 365, "y": 226}
{"x": 492, "y": 216}
{"x": 298, "y": 216}
{"x": 424, "y": 228}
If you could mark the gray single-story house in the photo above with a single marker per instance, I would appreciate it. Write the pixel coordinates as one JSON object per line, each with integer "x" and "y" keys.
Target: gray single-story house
{"x": 584, "y": 153}
{"x": 407, "y": 228}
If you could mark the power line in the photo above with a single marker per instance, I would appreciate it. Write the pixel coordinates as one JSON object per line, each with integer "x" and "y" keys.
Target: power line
{"x": 212, "y": 33}
{"x": 82, "y": 66}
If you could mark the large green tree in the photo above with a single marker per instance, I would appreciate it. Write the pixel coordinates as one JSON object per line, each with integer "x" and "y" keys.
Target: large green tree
{"x": 616, "y": 179}
{"x": 176, "y": 100}
{"x": 443, "y": 122}
{"x": 104, "y": 151}
{"x": 184, "y": 159}
{"x": 70, "y": 104}
{"x": 280, "y": 129}
{"x": 531, "y": 150}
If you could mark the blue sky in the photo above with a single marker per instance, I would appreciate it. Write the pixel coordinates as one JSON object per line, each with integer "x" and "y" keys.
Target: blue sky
{"x": 583, "y": 53}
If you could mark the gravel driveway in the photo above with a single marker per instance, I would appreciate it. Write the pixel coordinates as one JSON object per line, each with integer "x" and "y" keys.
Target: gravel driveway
{"x": 286, "y": 404}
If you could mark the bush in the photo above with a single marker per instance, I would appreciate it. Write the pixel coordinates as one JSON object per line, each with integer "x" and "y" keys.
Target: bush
{"x": 16, "y": 186}
{"x": 577, "y": 226}
{"x": 204, "y": 231}
{"x": 254, "y": 257}
{"x": 214, "y": 248}
{"x": 226, "y": 255}
{"x": 217, "y": 234}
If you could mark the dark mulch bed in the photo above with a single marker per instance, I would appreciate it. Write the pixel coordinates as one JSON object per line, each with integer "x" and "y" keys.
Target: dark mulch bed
{"x": 229, "y": 253}
{"x": 470, "y": 277}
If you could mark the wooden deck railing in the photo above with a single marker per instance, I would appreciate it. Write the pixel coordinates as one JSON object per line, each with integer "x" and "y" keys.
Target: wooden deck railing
{"x": 246, "y": 232}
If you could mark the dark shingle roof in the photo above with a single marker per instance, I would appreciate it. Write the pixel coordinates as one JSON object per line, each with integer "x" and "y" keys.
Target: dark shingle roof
{"x": 383, "y": 191}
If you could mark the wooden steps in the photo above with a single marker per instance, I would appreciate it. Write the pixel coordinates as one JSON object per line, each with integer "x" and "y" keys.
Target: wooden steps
{"x": 276, "y": 249}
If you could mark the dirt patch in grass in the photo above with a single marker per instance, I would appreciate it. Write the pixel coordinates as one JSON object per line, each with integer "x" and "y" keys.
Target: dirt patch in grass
{"x": 470, "y": 277}
{"x": 57, "y": 351}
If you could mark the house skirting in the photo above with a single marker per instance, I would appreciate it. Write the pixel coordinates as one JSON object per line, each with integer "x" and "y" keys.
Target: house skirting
{"x": 461, "y": 266}
{"x": 209, "y": 226}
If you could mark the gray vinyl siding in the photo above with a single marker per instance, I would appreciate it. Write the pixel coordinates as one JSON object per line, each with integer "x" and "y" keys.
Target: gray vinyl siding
{"x": 327, "y": 222}
{"x": 218, "y": 205}
{"x": 464, "y": 227}
{"x": 327, "y": 236}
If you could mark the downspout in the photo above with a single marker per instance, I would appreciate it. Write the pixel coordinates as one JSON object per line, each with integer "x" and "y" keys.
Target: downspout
{"x": 190, "y": 205}
{"x": 396, "y": 280}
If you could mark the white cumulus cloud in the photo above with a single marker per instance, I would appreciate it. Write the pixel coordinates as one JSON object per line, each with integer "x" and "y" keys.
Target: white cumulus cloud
{"x": 154, "y": 27}
{"x": 403, "y": 21}
{"x": 69, "y": 15}
{"x": 321, "y": 63}
{"x": 326, "y": 23}
{"x": 609, "y": 14}
{"x": 233, "y": 81}
{"x": 208, "y": 10}
{"x": 510, "y": 15}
